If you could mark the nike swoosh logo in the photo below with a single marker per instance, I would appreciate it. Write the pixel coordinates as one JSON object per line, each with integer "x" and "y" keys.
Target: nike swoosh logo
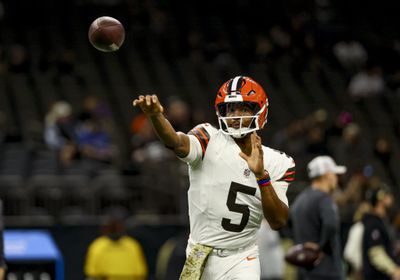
{"x": 249, "y": 258}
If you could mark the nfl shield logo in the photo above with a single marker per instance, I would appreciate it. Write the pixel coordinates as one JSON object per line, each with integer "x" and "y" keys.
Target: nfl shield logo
{"x": 246, "y": 172}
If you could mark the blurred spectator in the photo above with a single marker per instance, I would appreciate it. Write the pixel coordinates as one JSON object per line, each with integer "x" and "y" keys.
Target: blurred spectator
{"x": 377, "y": 245}
{"x": 352, "y": 252}
{"x": 316, "y": 141}
{"x": 145, "y": 146}
{"x": 315, "y": 219}
{"x": 281, "y": 40}
{"x": 271, "y": 253}
{"x": 316, "y": 129}
{"x": 349, "y": 200}
{"x": 171, "y": 256}
{"x": 94, "y": 108}
{"x": 60, "y": 132}
{"x": 383, "y": 150}
{"x": 352, "y": 149}
{"x": 351, "y": 54}
{"x": 95, "y": 143}
{"x": 341, "y": 121}
{"x": 115, "y": 255}
{"x": 264, "y": 48}
{"x": 96, "y": 132}
{"x": 141, "y": 131}
{"x": 179, "y": 113}
{"x": 60, "y": 126}
{"x": 367, "y": 83}
{"x": 291, "y": 138}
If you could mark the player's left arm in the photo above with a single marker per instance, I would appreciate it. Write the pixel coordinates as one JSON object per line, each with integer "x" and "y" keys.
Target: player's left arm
{"x": 273, "y": 194}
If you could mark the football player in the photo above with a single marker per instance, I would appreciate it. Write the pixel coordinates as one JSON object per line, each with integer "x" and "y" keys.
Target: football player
{"x": 234, "y": 181}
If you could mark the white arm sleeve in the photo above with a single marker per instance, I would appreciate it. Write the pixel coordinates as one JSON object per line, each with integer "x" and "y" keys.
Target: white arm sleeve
{"x": 195, "y": 151}
{"x": 353, "y": 247}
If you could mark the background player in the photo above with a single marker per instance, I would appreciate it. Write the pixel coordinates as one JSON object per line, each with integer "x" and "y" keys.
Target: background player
{"x": 234, "y": 181}
{"x": 315, "y": 219}
{"x": 378, "y": 258}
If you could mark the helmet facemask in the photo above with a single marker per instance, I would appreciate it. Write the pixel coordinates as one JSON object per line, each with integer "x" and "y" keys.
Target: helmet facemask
{"x": 239, "y": 128}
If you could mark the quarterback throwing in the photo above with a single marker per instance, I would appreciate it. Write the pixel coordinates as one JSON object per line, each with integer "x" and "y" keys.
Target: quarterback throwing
{"x": 235, "y": 181}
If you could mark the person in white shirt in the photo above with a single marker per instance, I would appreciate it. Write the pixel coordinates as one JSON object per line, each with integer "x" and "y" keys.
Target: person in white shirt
{"x": 235, "y": 181}
{"x": 352, "y": 252}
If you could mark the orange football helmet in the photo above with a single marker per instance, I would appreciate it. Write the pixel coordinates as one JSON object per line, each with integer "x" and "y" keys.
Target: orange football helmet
{"x": 249, "y": 93}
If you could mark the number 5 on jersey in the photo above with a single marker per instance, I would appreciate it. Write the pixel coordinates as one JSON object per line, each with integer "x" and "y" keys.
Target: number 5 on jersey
{"x": 238, "y": 208}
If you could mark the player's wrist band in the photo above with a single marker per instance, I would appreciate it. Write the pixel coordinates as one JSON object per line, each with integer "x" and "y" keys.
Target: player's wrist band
{"x": 264, "y": 181}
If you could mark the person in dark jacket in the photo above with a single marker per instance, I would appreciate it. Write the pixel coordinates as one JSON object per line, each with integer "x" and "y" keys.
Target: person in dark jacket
{"x": 377, "y": 244}
{"x": 315, "y": 220}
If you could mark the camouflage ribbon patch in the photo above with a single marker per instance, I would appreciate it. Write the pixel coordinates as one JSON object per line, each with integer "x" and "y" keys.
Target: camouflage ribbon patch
{"x": 195, "y": 262}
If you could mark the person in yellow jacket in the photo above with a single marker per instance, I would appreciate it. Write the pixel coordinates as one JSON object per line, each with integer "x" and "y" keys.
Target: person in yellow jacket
{"x": 115, "y": 255}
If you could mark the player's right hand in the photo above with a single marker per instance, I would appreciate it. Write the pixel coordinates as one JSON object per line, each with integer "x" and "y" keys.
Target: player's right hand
{"x": 149, "y": 104}
{"x": 255, "y": 160}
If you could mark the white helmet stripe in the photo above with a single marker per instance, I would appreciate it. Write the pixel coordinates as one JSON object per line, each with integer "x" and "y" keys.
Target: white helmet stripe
{"x": 234, "y": 85}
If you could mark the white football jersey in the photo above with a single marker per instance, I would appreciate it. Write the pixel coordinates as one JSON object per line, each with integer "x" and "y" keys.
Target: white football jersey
{"x": 224, "y": 198}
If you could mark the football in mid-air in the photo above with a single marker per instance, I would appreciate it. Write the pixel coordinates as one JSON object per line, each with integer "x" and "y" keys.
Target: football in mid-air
{"x": 299, "y": 255}
{"x": 106, "y": 34}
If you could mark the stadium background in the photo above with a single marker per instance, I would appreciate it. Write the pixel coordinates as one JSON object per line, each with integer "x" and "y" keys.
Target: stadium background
{"x": 183, "y": 51}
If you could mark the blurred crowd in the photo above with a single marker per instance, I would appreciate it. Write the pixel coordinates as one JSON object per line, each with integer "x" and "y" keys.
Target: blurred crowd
{"x": 86, "y": 136}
